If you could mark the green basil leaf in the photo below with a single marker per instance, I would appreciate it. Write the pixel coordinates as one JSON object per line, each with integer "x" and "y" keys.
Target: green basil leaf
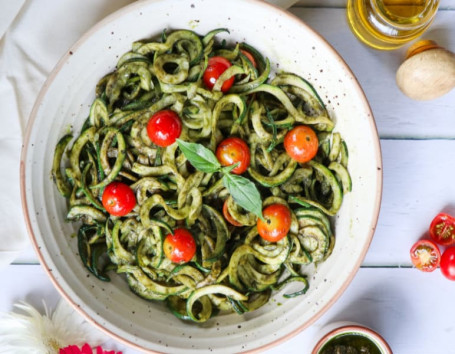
{"x": 199, "y": 156}
{"x": 244, "y": 193}
{"x": 228, "y": 169}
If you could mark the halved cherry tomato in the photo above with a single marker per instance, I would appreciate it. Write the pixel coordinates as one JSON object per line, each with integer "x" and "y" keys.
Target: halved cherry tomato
{"x": 249, "y": 56}
{"x": 301, "y": 143}
{"x": 448, "y": 263}
{"x": 276, "y": 224}
{"x": 231, "y": 151}
{"x": 164, "y": 127}
{"x": 228, "y": 216}
{"x": 442, "y": 229}
{"x": 216, "y": 66}
{"x": 179, "y": 247}
{"x": 425, "y": 255}
{"x": 118, "y": 199}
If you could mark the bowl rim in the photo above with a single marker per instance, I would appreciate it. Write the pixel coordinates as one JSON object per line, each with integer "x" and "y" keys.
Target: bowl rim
{"x": 349, "y": 328}
{"x": 53, "y": 74}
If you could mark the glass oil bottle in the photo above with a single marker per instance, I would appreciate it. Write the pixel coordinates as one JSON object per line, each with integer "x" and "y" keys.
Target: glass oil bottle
{"x": 390, "y": 24}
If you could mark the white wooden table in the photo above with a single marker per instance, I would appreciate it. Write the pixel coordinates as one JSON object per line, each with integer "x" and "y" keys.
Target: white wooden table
{"x": 414, "y": 311}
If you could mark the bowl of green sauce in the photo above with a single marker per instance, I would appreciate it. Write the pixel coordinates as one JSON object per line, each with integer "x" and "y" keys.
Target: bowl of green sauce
{"x": 350, "y": 338}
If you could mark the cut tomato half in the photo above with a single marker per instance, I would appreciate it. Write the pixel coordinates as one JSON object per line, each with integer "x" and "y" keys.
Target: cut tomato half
{"x": 425, "y": 255}
{"x": 442, "y": 229}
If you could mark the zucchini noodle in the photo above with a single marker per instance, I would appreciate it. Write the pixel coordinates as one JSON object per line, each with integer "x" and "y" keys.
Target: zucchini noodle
{"x": 234, "y": 269}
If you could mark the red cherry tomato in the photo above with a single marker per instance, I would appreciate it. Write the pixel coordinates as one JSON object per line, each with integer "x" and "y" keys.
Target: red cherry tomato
{"x": 164, "y": 127}
{"x": 301, "y": 143}
{"x": 249, "y": 56}
{"x": 442, "y": 229}
{"x": 216, "y": 66}
{"x": 228, "y": 216}
{"x": 425, "y": 255}
{"x": 118, "y": 199}
{"x": 276, "y": 224}
{"x": 179, "y": 247}
{"x": 448, "y": 263}
{"x": 231, "y": 151}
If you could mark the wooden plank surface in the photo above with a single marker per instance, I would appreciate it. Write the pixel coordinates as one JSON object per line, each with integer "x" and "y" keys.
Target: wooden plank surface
{"x": 412, "y": 310}
{"x": 416, "y": 186}
{"x": 396, "y": 115}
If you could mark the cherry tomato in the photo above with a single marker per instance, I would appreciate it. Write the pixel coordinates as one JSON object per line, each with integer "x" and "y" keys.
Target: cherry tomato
{"x": 425, "y": 255}
{"x": 442, "y": 229}
{"x": 228, "y": 216}
{"x": 231, "y": 151}
{"x": 301, "y": 143}
{"x": 448, "y": 263}
{"x": 179, "y": 247}
{"x": 118, "y": 199}
{"x": 164, "y": 127}
{"x": 216, "y": 66}
{"x": 277, "y": 222}
{"x": 249, "y": 56}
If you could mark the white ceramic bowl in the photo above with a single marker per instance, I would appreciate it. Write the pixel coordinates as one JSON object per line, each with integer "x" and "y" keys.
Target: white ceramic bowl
{"x": 64, "y": 102}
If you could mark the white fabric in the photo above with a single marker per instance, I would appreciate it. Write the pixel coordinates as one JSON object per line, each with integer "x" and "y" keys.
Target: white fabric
{"x": 9, "y": 10}
{"x": 34, "y": 34}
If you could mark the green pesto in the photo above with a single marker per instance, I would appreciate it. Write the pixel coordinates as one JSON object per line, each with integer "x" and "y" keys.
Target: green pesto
{"x": 352, "y": 343}
{"x": 234, "y": 269}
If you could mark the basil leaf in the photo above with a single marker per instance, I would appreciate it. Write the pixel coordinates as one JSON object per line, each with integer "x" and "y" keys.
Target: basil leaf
{"x": 228, "y": 169}
{"x": 199, "y": 156}
{"x": 244, "y": 193}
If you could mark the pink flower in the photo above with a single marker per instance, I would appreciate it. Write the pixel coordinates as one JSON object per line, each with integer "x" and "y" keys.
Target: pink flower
{"x": 86, "y": 349}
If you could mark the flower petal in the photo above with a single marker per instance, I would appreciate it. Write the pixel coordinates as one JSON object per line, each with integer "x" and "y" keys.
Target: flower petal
{"x": 70, "y": 349}
{"x": 86, "y": 349}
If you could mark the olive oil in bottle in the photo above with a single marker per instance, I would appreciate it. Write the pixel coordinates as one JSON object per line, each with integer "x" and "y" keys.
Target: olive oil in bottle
{"x": 389, "y": 24}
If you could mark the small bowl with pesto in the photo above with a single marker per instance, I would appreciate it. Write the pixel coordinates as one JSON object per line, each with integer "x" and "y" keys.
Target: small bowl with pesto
{"x": 350, "y": 338}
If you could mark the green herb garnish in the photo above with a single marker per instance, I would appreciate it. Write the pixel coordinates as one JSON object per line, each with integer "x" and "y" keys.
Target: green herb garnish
{"x": 242, "y": 189}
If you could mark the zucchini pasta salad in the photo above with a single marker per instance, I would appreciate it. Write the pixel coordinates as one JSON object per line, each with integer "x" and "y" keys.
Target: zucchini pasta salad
{"x": 207, "y": 181}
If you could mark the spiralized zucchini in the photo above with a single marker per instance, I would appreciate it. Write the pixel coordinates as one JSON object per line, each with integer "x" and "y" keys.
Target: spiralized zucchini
{"x": 234, "y": 269}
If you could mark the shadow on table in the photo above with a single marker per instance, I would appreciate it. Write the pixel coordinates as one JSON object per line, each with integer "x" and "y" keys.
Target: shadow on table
{"x": 375, "y": 309}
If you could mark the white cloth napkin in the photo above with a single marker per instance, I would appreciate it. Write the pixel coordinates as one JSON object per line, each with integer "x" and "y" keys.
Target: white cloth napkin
{"x": 34, "y": 34}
